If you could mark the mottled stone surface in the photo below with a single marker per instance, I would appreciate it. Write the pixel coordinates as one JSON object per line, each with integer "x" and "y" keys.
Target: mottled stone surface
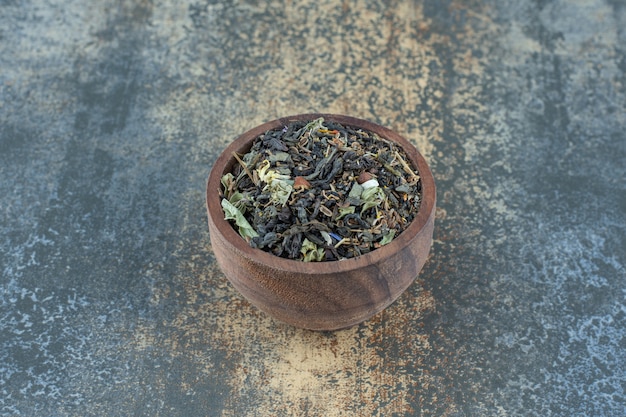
{"x": 112, "y": 113}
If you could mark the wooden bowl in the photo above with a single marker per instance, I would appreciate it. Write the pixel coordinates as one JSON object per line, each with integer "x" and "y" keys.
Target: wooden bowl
{"x": 321, "y": 295}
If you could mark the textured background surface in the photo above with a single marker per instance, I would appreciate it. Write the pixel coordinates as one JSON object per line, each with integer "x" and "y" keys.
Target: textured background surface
{"x": 112, "y": 113}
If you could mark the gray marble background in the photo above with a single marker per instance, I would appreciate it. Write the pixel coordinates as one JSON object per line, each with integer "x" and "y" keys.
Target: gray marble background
{"x": 112, "y": 113}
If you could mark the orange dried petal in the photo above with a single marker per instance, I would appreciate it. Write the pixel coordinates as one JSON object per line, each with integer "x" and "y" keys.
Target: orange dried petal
{"x": 301, "y": 182}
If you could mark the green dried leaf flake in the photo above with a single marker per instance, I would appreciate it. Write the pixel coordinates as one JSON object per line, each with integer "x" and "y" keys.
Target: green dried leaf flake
{"x": 326, "y": 236}
{"x": 372, "y": 197}
{"x": 240, "y": 200}
{"x": 279, "y": 157}
{"x": 311, "y": 252}
{"x": 387, "y": 238}
{"x": 404, "y": 188}
{"x": 279, "y": 185}
{"x": 232, "y": 213}
{"x": 356, "y": 190}
{"x": 316, "y": 124}
{"x": 280, "y": 190}
{"x": 229, "y": 183}
{"x": 344, "y": 211}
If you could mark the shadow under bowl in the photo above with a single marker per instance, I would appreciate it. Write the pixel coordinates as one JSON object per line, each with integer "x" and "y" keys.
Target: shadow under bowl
{"x": 321, "y": 295}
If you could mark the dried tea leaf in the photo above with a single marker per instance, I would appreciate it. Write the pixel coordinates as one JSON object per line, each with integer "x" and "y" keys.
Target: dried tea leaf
{"x": 279, "y": 157}
{"x": 314, "y": 125}
{"x": 321, "y": 165}
{"x": 240, "y": 201}
{"x": 229, "y": 184}
{"x": 388, "y": 237}
{"x": 343, "y": 211}
{"x": 232, "y": 213}
{"x": 372, "y": 197}
{"x": 279, "y": 185}
{"x": 266, "y": 241}
{"x": 326, "y": 211}
{"x": 327, "y": 238}
{"x": 280, "y": 191}
{"x": 268, "y": 175}
{"x": 404, "y": 188}
{"x": 356, "y": 191}
{"x": 311, "y": 252}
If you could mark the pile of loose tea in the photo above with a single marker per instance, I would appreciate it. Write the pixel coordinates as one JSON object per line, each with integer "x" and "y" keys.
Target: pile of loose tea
{"x": 321, "y": 191}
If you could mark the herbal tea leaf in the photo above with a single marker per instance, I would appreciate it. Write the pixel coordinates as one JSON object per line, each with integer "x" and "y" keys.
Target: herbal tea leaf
{"x": 356, "y": 191}
{"x": 268, "y": 175}
{"x": 388, "y": 237}
{"x": 404, "y": 188}
{"x": 240, "y": 200}
{"x": 311, "y": 252}
{"x": 229, "y": 184}
{"x": 343, "y": 211}
{"x": 279, "y": 157}
{"x": 372, "y": 197}
{"x": 232, "y": 213}
{"x": 326, "y": 236}
{"x": 280, "y": 191}
{"x": 279, "y": 185}
{"x": 314, "y": 125}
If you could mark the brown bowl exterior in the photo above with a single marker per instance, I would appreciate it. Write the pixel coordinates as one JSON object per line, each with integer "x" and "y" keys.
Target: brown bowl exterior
{"x": 321, "y": 295}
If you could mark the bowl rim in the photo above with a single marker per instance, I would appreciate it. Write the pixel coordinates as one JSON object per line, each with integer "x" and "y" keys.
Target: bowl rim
{"x": 242, "y": 144}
